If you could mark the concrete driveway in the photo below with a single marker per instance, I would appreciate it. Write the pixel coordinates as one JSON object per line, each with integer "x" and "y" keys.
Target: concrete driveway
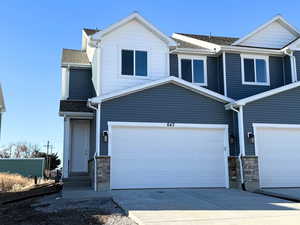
{"x": 287, "y": 193}
{"x": 206, "y": 206}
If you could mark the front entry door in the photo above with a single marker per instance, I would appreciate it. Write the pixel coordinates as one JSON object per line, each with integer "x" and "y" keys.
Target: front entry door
{"x": 80, "y": 145}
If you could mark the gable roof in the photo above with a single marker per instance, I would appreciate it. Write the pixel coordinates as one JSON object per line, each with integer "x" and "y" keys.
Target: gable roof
{"x": 265, "y": 94}
{"x": 219, "y": 40}
{"x": 90, "y": 32}
{"x": 184, "y": 44}
{"x": 279, "y": 19}
{"x": 74, "y": 57}
{"x": 2, "y": 103}
{"x": 142, "y": 20}
{"x": 170, "y": 79}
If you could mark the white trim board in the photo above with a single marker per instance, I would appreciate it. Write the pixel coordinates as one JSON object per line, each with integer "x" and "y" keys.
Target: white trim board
{"x": 170, "y": 79}
{"x": 265, "y": 94}
{"x": 112, "y": 124}
{"x": 135, "y": 16}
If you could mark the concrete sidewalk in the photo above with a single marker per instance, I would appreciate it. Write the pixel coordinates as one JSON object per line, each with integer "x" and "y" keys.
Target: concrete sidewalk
{"x": 205, "y": 206}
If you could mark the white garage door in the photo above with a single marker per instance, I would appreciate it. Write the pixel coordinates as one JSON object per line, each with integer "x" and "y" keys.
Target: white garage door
{"x": 157, "y": 156}
{"x": 278, "y": 149}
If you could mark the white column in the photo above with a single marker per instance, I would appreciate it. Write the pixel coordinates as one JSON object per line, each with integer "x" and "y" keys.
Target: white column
{"x": 67, "y": 146}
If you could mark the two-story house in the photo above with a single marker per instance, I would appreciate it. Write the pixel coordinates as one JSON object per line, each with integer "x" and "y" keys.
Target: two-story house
{"x": 2, "y": 107}
{"x": 145, "y": 110}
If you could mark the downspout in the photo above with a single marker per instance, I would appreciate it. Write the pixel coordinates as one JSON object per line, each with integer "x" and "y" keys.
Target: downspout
{"x": 241, "y": 142}
{"x": 97, "y": 151}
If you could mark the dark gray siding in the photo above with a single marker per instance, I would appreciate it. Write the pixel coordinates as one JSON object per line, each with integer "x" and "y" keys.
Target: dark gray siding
{"x": 174, "y": 65}
{"x": 212, "y": 74}
{"x": 297, "y": 56}
{"x": 235, "y": 88}
{"x": 165, "y": 103}
{"x": 220, "y": 75}
{"x": 287, "y": 70}
{"x": 283, "y": 108}
{"x": 80, "y": 84}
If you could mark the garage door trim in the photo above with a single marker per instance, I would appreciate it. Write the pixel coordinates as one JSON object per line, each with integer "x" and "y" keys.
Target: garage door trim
{"x": 112, "y": 124}
{"x": 267, "y": 125}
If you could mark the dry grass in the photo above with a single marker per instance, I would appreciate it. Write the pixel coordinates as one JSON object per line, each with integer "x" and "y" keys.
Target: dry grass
{"x": 15, "y": 182}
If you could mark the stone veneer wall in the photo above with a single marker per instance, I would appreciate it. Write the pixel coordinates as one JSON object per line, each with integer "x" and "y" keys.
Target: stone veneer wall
{"x": 250, "y": 172}
{"x": 103, "y": 173}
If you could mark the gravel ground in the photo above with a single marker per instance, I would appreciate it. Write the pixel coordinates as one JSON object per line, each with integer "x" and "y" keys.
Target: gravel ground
{"x": 54, "y": 210}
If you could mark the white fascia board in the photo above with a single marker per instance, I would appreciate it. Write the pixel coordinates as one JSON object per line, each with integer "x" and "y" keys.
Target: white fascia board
{"x": 193, "y": 51}
{"x": 142, "y": 20}
{"x": 278, "y": 18}
{"x": 253, "y": 50}
{"x": 2, "y": 103}
{"x": 200, "y": 43}
{"x": 70, "y": 64}
{"x": 256, "y": 97}
{"x": 170, "y": 79}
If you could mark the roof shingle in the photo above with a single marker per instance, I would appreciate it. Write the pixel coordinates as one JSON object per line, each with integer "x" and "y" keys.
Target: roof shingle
{"x": 74, "y": 56}
{"x": 74, "y": 106}
{"x": 212, "y": 39}
{"x": 89, "y": 31}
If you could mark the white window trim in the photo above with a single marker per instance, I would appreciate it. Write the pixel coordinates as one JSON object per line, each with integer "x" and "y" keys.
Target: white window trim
{"x": 134, "y": 76}
{"x": 266, "y": 58}
{"x": 204, "y": 58}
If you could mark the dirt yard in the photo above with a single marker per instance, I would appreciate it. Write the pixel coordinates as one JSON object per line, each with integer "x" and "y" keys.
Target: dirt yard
{"x": 53, "y": 210}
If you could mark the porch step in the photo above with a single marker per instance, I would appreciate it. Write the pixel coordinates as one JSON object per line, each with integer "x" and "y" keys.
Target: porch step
{"x": 77, "y": 181}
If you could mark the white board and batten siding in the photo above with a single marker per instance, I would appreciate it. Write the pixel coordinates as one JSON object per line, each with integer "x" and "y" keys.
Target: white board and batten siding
{"x": 278, "y": 149}
{"x": 135, "y": 36}
{"x": 275, "y": 35}
{"x": 150, "y": 155}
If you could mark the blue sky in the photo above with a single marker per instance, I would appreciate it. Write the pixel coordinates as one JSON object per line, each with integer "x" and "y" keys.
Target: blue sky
{"x": 34, "y": 32}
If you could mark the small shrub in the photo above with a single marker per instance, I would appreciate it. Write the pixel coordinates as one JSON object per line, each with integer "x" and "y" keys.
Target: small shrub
{"x": 14, "y": 182}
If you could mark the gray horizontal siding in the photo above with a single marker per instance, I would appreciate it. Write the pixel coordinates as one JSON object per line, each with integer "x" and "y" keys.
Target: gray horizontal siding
{"x": 80, "y": 84}
{"x": 220, "y": 75}
{"x": 297, "y": 56}
{"x": 237, "y": 90}
{"x": 287, "y": 70}
{"x": 283, "y": 108}
{"x": 166, "y": 103}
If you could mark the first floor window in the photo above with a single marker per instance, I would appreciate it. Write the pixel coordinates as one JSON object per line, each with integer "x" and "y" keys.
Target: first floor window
{"x": 134, "y": 63}
{"x": 193, "y": 70}
{"x": 255, "y": 70}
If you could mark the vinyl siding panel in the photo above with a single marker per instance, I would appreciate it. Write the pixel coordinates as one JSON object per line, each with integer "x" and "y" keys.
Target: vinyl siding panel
{"x": 174, "y": 65}
{"x": 220, "y": 75}
{"x": 237, "y": 90}
{"x": 297, "y": 56}
{"x": 287, "y": 70}
{"x": 283, "y": 108}
{"x": 80, "y": 84}
{"x": 165, "y": 103}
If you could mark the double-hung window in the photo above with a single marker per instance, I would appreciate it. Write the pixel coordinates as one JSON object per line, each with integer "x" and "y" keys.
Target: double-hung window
{"x": 193, "y": 69}
{"x": 134, "y": 63}
{"x": 255, "y": 70}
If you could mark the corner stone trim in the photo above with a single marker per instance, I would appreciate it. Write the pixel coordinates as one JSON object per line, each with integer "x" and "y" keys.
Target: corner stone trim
{"x": 103, "y": 173}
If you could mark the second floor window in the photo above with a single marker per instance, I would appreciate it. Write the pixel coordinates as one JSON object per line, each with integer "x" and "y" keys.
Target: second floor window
{"x": 134, "y": 63}
{"x": 255, "y": 70}
{"x": 193, "y": 70}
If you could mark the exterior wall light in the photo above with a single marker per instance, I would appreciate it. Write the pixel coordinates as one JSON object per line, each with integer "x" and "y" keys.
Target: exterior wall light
{"x": 105, "y": 136}
{"x": 251, "y": 137}
{"x": 231, "y": 139}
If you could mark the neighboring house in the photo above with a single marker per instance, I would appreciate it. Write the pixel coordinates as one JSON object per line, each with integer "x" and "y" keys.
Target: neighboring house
{"x": 2, "y": 107}
{"x": 144, "y": 110}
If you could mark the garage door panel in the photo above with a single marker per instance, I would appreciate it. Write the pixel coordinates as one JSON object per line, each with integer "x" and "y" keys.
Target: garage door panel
{"x": 161, "y": 157}
{"x": 279, "y": 156}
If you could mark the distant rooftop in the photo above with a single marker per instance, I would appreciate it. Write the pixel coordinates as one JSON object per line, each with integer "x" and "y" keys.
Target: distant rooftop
{"x": 74, "y": 56}
{"x": 90, "y": 32}
{"x": 219, "y": 40}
